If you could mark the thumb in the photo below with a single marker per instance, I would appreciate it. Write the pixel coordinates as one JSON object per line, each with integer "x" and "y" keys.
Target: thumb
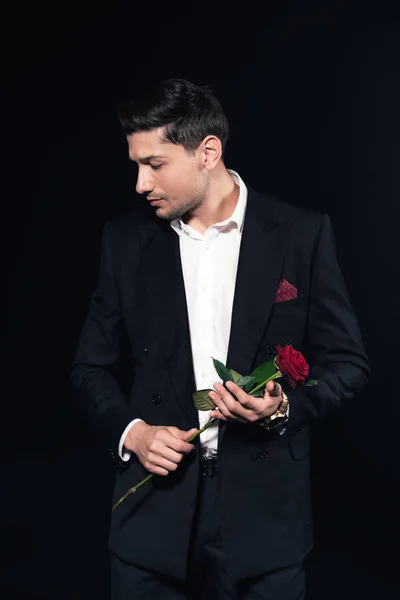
{"x": 272, "y": 388}
{"x": 180, "y": 433}
{"x": 187, "y": 434}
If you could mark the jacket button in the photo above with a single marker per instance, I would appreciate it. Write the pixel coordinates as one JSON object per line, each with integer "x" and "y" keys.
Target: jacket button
{"x": 156, "y": 398}
{"x": 269, "y": 349}
{"x": 146, "y": 350}
{"x": 264, "y": 453}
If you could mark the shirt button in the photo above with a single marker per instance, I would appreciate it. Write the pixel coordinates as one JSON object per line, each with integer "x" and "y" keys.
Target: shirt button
{"x": 203, "y": 375}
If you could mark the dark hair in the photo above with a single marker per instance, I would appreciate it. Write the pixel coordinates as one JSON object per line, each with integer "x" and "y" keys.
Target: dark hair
{"x": 188, "y": 113}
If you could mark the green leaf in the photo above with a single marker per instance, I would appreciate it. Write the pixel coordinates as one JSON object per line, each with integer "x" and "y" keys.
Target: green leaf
{"x": 222, "y": 371}
{"x": 262, "y": 372}
{"x": 246, "y": 383}
{"x": 311, "y": 382}
{"x": 251, "y": 383}
{"x": 202, "y": 400}
{"x": 258, "y": 394}
{"x": 243, "y": 380}
{"x": 235, "y": 375}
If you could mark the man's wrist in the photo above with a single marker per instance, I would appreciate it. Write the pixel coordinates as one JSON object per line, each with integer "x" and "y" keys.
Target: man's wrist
{"x": 132, "y": 434}
{"x": 279, "y": 417}
{"x": 124, "y": 451}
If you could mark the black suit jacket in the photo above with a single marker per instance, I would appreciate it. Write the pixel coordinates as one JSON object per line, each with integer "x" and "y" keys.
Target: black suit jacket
{"x": 137, "y": 326}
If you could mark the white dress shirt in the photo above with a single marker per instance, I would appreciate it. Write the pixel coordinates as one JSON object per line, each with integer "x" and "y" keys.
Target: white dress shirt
{"x": 209, "y": 266}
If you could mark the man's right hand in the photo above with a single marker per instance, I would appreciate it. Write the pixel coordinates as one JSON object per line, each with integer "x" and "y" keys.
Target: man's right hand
{"x": 160, "y": 449}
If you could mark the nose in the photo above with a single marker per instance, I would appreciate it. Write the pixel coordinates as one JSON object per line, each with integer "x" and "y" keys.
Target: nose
{"x": 144, "y": 181}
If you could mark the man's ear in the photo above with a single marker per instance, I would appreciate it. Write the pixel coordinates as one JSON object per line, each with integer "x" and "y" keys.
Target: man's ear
{"x": 212, "y": 151}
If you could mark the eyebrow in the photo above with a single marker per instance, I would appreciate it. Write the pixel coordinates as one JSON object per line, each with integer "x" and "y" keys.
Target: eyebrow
{"x": 147, "y": 159}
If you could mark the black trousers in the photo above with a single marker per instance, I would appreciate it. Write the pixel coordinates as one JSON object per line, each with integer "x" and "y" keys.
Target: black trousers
{"x": 207, "y": 578}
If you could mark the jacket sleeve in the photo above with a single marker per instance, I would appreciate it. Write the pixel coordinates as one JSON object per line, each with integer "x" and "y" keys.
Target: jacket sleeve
{"x": 101, "y": 349}
{"x": 333, "y": 345}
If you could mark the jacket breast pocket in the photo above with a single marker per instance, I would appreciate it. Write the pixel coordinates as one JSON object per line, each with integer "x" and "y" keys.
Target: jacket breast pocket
{"x": 289, "y": 305}
{"x": 288, "y": 321}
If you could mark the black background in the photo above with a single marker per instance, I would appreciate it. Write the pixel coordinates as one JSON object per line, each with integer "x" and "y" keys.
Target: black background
{"x": 312, "y": 93}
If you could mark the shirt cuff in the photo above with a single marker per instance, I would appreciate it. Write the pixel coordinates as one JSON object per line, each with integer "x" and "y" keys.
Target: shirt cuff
{"x": 123, "y": 452}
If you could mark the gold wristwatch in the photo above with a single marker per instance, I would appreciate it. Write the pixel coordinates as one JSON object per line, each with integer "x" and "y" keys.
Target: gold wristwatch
{"x": 279, "y": 417}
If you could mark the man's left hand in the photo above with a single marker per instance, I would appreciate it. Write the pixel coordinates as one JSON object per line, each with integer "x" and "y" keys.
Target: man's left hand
{"x": 240, "y": 406}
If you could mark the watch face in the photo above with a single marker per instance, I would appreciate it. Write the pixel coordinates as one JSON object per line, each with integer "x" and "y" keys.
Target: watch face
{"x": 277, "y": 422}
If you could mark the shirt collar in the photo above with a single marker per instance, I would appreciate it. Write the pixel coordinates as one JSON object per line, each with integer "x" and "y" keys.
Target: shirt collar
{"x": 236, "y": 217}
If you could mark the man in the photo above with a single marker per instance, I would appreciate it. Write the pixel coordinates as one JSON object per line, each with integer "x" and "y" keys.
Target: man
{"x": 210, "y": 268}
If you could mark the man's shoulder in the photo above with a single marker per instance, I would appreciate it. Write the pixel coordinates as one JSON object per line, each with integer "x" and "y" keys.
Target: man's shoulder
{"x": 279, "y": 210}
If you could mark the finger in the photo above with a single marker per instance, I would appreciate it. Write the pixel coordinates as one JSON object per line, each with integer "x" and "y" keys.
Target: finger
{"x": 189, "y": 433}
{"x": 220, "y": 404}
{"x": 273, "y": 388}
{"x": 180, "y": 434}
{"x": 174, "y": 439}
{"x": 170, "y": 455}
{"x": 224, "y": 409}
{"x": 234, "y": 406}
{"x": 241, "y": 396}
{"x": 155, "y": 470}
{"x": 158, "y": 464}
{"x": 215, "y": 414}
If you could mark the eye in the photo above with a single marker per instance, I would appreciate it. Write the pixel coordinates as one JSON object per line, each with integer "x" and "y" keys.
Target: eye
{"x": 155, "y": 167}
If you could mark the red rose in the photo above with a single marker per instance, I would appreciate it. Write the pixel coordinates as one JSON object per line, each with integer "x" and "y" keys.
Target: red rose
{"x": 292, "y": 365}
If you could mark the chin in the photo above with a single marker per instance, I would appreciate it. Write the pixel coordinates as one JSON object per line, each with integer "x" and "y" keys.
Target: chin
{"x": 163, "y": 214}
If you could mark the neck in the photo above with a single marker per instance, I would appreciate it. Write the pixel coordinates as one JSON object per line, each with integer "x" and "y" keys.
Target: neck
{"x": 219, "y": 204}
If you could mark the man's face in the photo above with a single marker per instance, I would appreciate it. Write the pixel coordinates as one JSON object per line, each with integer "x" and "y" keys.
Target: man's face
{"x": 172, "y": 179}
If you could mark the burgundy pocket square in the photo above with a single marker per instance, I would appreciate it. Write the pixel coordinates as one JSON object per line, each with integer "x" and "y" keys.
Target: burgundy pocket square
{"x": 286, "y": 291}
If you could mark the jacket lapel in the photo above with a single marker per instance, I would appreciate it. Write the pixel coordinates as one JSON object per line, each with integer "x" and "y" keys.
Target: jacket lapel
{"x": 168, "y": 311}
{"x": 262, "y": 252}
